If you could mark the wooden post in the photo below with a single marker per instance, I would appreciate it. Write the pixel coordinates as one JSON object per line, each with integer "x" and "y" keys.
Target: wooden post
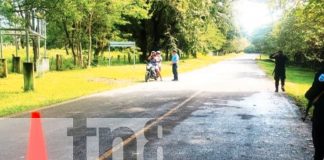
{"x": 118, "y": 58}
{"x": 129, "y": 58}
{"x": 28, "y": 76}
{"x": 27, "y": 16}
{"x": 15, "y": 64}
{"x": 59, "y": 62}
{"x": 16, "y": 43}
{"x": 109, "y": 56}
{"x": 4, "y": 68}
{"x": 45, "y": 42}
{"x": 134, "y": 55}
{"x": 1, "y": 51}
{"x": 125, "y": 59}
{"x": 111, "y": 60}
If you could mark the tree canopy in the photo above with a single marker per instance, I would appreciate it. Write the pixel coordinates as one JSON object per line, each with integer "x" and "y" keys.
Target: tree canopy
{"x": 189, "y": 25}
{"x": 299, "y": 33}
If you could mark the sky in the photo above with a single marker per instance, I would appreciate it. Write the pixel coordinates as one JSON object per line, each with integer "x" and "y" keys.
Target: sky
{"x": 252, "y": 14}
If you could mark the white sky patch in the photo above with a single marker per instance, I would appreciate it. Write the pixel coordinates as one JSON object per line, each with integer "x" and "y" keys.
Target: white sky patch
{"x": 252, "y": 14}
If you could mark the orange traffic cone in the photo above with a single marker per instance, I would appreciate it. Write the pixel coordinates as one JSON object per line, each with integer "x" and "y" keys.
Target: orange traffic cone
{"x": 36, "y": 145}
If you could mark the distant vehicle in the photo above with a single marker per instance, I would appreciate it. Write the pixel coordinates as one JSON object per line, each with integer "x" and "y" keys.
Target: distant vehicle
{"x": 150, "y": 72}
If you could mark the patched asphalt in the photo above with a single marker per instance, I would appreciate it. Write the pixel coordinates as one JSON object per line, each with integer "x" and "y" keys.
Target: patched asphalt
{"x": 234, "y": 115}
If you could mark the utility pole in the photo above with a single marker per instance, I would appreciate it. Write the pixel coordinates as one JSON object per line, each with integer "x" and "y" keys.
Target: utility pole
{"x": 27, "y": 16}
{"x": 45, "y": 41}
{"x": 16, "y": 41}
{"x": 28, "y": 67}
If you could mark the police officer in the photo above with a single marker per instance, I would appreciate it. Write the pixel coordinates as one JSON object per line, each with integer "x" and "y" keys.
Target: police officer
{"x": 280, "y": 69}
{"x": 316, "y": 96}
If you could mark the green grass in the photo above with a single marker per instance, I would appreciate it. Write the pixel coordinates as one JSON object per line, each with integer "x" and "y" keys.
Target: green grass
{"x": 298, "y": 80}
{"x": 54, "y": 87}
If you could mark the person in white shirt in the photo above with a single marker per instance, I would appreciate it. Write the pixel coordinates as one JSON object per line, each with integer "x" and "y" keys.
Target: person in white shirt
{"x": 158, "y": 59}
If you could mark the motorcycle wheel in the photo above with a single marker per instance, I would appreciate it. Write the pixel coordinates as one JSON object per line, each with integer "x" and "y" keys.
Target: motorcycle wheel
{"x": 147, "y": 77}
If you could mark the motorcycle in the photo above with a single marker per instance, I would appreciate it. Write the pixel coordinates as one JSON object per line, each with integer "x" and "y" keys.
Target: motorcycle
{"x": 150, "y": 72}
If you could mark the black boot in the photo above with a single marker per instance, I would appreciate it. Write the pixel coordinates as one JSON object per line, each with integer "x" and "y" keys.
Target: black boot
{"x": 283, "y": 88}
{"x": 276, "y": 84}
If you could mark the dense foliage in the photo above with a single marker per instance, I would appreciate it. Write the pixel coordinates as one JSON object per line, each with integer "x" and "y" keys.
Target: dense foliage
{"x": 85, "y": 28}
{"x": 299, "y": 33}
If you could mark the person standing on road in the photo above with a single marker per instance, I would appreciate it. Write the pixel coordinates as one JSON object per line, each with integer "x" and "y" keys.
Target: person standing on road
{"x": 158, "y": 58}
{"x": 315, "y": 96}
{"x": 280, "y": 69}
{"x": 175, "y": 60}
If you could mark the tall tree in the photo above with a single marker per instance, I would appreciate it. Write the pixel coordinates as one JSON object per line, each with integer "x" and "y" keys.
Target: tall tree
{"x": 299, "y": 32}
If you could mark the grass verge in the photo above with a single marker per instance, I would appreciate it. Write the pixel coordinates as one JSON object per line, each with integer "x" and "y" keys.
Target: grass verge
{"x": 298, "y": 80}
{"x": 54, "y": 87}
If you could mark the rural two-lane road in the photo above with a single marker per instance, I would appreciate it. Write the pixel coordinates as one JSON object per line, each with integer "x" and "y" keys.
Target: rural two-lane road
{"x": 226, "y": 111}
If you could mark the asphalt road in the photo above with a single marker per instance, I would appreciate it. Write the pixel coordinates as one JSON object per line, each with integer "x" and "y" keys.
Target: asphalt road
{"x": 226, "y": 111}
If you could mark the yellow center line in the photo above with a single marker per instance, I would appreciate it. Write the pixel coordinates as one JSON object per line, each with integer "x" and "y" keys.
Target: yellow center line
{"x": 109, "y": 152}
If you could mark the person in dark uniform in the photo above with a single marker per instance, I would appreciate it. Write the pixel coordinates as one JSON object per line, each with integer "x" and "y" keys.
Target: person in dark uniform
{"x": 280, "y": 69}
{"x": 315, "y": 95}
